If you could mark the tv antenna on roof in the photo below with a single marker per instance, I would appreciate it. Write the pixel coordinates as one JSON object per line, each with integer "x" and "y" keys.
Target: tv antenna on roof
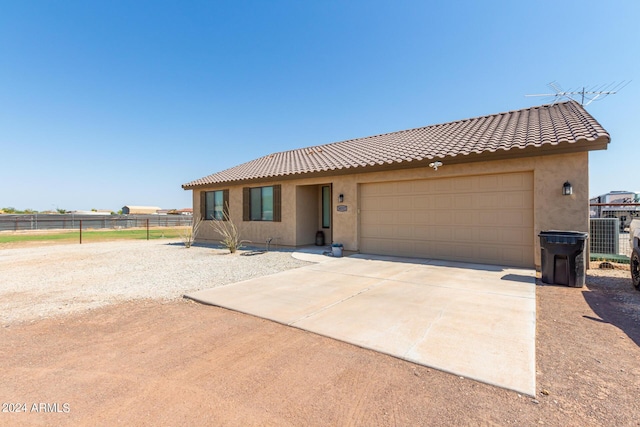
{"x": 588, "y": 95}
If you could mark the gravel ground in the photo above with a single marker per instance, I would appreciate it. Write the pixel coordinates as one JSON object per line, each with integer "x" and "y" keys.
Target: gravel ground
{"x": 158, "y": 359}
{"x": 42, "y": 281}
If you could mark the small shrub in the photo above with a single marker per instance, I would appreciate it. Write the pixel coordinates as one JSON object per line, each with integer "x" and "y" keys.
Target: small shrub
{"x": 229, "y": 232}
{"x": 188, "y": 234}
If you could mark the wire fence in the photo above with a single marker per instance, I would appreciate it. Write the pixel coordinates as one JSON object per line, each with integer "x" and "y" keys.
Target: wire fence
{"x": 609, "y": 230}
{"x": 85, "y": 222}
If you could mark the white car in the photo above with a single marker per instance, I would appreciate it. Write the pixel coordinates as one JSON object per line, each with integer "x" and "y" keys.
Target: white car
{"x": 634, "y": 240}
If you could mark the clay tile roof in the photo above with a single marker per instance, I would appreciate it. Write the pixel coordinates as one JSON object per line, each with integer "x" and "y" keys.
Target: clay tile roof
{"x": 566, "y": 122}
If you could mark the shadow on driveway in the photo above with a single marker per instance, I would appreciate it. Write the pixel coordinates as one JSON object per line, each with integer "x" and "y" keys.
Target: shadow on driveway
{"x": 616, "y": 302}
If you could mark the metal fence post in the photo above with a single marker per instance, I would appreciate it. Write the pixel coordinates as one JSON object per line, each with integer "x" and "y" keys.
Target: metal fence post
{"x": 80, "y": 231}
{"x": 147, "y": 228}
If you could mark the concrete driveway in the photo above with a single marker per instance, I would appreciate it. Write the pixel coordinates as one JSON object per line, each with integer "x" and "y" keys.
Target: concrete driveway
{"x": 476, "y": 321}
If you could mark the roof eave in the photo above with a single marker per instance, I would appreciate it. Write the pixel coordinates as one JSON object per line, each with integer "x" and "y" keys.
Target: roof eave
{"x": 564, "y": 147}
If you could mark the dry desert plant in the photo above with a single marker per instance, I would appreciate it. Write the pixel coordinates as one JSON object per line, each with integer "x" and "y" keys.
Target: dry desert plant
{"x": 188, "y": 234}
{"x": 228, "y": 231}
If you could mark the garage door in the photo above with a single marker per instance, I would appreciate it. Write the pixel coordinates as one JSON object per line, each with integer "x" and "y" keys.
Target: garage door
{"x": 480, "y": 218}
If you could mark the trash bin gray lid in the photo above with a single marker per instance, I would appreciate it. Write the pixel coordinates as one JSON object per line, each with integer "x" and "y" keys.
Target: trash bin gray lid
{"x": 563, "y": 237}
{"x": 564, "y": 233}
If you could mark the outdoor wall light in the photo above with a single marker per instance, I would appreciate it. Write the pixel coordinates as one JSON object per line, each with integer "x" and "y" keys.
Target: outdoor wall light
{"x": 567, "y": 189}
{"x": 341, "y": 198}
{"x": 435, "y": 165}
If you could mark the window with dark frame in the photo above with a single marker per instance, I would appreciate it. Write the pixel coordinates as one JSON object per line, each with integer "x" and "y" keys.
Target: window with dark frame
{"x": 262, "y": 203}
{"x": 215, "y": 205}
{"x": 326, "y": 206}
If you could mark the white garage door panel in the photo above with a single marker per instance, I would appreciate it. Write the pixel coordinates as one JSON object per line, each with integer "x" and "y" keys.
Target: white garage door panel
{"x": 484, "y": 218}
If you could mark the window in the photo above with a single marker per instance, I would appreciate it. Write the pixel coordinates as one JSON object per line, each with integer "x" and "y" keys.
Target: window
{"x": 215, "y": 204}
{"x": 326, "y": 206}
{"x": 261, "y": 203}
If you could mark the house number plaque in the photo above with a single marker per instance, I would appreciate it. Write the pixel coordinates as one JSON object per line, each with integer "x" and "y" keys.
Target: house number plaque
{"x": 342, "y": 208}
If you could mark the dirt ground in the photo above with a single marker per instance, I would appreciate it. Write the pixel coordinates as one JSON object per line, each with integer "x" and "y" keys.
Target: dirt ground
{"x": 182, "y": 363}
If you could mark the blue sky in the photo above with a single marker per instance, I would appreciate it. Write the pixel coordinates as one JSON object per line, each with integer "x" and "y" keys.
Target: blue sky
{"x": 113, "y": 103}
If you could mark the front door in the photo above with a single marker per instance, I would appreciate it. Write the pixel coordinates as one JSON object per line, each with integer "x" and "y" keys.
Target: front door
{"x": 325, "y": 214}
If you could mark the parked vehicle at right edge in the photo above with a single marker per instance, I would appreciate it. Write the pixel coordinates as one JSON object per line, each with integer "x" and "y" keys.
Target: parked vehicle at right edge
{"x": 634, "y": 241}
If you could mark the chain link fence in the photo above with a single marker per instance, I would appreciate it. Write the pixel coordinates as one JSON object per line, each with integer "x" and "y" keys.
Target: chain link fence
{"x": 609, "y": 230}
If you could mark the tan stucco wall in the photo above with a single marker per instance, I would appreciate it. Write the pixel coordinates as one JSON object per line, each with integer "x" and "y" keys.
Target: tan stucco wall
{"x": 552, "y": 210}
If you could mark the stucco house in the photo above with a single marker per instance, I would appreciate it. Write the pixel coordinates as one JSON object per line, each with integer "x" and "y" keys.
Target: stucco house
{"x": 475, "y": 190}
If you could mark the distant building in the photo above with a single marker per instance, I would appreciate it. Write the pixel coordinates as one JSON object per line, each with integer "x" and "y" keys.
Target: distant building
{"x": 140, "y": 210}
{"x": 183, "y": 211}
{"x": 608, "y": 206}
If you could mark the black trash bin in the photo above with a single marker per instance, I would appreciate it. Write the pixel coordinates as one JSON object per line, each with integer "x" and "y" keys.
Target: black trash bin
{"x": 563, "y": 257}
